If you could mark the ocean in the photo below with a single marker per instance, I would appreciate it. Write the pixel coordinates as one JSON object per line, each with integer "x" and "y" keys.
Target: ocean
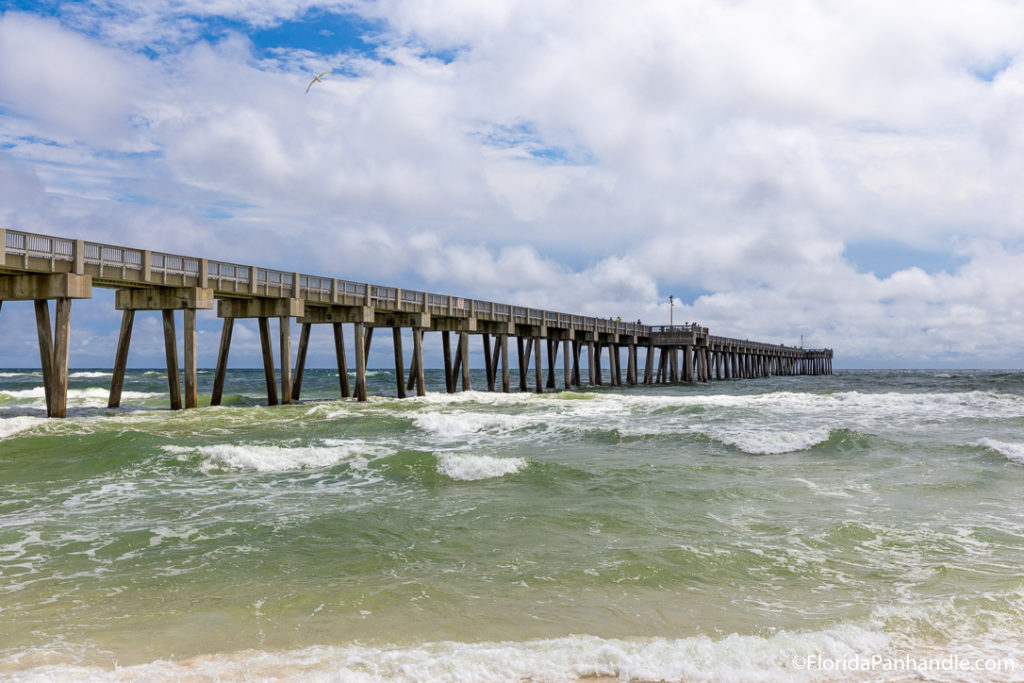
{"x": 862, "y": 526}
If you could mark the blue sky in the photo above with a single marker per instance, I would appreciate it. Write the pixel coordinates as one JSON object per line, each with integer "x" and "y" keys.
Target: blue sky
{"x": 846, "y": 172}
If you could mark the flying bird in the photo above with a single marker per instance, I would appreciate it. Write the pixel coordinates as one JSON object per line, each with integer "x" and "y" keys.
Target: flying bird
{"x": 317, "y": 79}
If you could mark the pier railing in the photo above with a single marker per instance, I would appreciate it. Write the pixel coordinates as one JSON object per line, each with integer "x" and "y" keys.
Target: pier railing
{"x": 125, "y": 266}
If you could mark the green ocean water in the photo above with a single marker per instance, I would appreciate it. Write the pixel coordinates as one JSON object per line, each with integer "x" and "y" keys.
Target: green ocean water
{"x": 689, "y": 532}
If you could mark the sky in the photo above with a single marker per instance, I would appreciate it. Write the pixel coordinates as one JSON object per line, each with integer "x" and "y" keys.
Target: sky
{"x": 844, "y": 172}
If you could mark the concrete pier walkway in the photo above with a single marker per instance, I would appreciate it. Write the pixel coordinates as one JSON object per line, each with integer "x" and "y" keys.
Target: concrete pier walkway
{"x": 39, "y": 268}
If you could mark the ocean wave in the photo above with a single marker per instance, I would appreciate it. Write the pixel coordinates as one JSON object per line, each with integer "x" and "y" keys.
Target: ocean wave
{"x": 267, "y": 458}
{"x": 461, "y": 424}
{"x": 764, "y": 442}
{"x": 463, "y": 467}
{"x": 20, "y": 374}
{"x": 733, "y": 658}
{"x": 922, "y": 633}
{"x": 19, "y": 423}
{"x": 88, "y": 375}
{"x": 1013, "y": 452}
{"x": 89, "y": 396}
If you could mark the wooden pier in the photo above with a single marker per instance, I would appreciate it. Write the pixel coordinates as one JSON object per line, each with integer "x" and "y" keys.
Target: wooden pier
{"x": 39, "y": 268}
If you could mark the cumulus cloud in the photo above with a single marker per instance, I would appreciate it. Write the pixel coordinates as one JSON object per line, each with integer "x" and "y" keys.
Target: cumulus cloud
{"x": 592, "y": 160}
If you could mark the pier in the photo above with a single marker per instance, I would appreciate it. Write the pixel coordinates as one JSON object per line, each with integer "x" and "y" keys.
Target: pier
{"x": 40, "y": 268}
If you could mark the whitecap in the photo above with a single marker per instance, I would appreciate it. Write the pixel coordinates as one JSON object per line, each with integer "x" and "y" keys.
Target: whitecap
{"x": 1013, "y": 452}
{"x": 13, "y": 425}
{"x": 764, "y": 442}
{"x": 88, "y": 375}
{"x": 266, "y": 458}
{"x": 461, "y": 424}
{"x": 464, "y": 467}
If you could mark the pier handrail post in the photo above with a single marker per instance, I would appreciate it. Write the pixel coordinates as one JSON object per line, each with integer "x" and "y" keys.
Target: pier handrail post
{"x": 78, "y": 256}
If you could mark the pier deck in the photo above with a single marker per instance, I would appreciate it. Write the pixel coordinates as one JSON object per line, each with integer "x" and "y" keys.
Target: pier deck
{"x": 38, "y": 268}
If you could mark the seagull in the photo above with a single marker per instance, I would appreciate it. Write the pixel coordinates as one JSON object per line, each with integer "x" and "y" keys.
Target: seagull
{"x": 317, "y": 79}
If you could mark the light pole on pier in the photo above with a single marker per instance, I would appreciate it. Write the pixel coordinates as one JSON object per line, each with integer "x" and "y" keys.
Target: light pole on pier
{"x": 671, "y": 305}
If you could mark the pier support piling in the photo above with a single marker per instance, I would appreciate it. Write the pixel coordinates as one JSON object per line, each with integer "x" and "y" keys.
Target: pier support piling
{"x": 45, "y": 333}
{"x": 268, "y": 361}
{"x": 464, "y": 357}
{"x": 300, "y": 361}
{"x": 171, "y": 355}
{"x": 449, "y": 376}
{"x": 417, "y": 354}
{"x": 222, "y": 361}
{"x": 339, "y": 353}
{"x": 505, "y": 385}
{"x": 191, "y": 366}
{"x": 360, "y": 350}
{"x": 538, "y": 372}
{"x": 566, "y": 365}
{"x": 396, "y": 336}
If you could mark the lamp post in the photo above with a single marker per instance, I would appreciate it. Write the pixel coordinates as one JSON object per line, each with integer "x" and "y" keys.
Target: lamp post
{"x": 671, "y": 306}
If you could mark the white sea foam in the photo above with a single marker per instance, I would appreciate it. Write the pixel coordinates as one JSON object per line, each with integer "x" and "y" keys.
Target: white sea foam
{"x": 83, "y": 374}
{"x": 89, "y": 397}
{"x": 463, "y": 467}
{"x": 732, "y": 658}
{"x": 765, "y": 442}
{"x": 21, "y": 374}
{"x": 1011, "y": 451}
{"x": 460, "y": 424}
{"x": 19, "y": 423}
{"x": 267, "y": 458}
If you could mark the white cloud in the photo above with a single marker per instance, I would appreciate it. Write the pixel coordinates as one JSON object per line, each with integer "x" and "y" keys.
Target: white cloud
{"x": 587, "y": 159}
{"x": 71, "y": 86}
